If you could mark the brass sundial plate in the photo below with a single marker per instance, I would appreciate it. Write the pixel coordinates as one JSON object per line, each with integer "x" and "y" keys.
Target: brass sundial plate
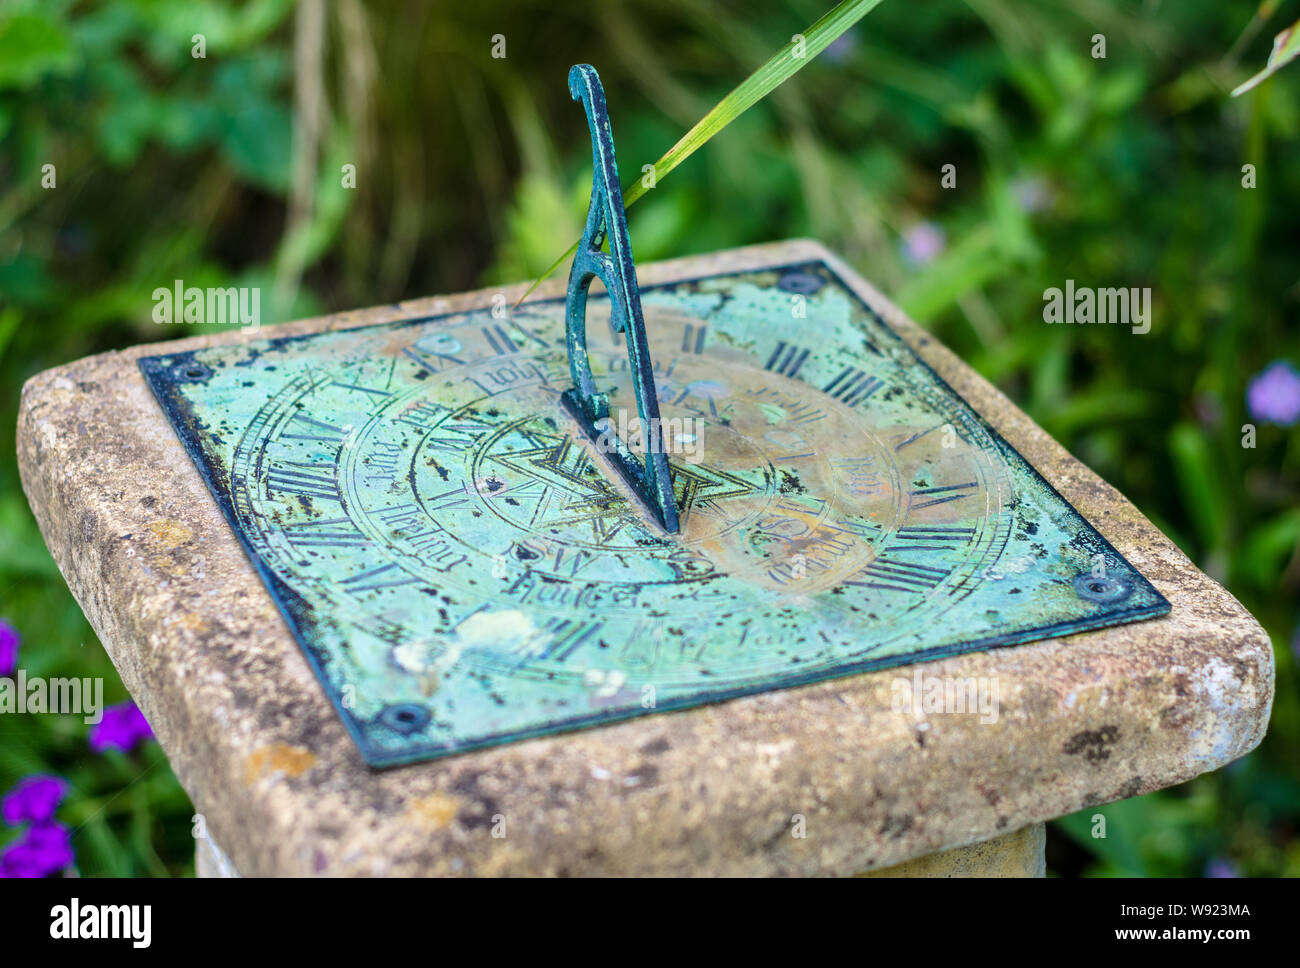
{"x": 461, "y": 567}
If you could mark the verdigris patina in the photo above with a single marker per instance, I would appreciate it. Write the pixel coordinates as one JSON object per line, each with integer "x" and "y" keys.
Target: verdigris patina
{"x": 1081, "y": 719}
{"x": 431, "y": 503}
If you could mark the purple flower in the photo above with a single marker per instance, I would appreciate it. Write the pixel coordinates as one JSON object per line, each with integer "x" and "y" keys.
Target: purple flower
{"x": 839, "y": 49}
{"x": 9, "y": 641}
{"x": 923, "y": 243}
{"x": 33, "y": 800}
{"x": 1274, "y": 395}
{"x": 1218, "y": 867}
{"x": 43, "y": 850}
{"x": 122, "y": 727}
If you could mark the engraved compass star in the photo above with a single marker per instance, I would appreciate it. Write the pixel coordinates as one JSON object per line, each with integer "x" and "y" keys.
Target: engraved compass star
{"x": 566, "y": 489}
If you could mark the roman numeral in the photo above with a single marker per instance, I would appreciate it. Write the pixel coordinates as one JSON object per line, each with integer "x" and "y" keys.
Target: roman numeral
{"x": 681, "y": 397}
{"x": 325, "y": 533}
{"x": 898, "y": 576}
{"x": 499, "y": 340}
{"x": 309, "y": 428}
{"x": 693, "y": 338}
{"x": 533, "y": 336}
{"x": 800, "y": 415}
{"x": 915, "y": 437}
{"x": 945, "y": 493}
{"x": 576, "y": 562}
{"x": 924, "y": 538}
{"x": 453, "y": 498}
{"x": 814, "y": 505}
{"x": 399, "y": 516}
{"x": 304, "y": 479}
{"x": 432, "y": 363}
{"x": 786, "y": 359}
{"x": 863, "y": 528}
{"x": 852, "y": 386}
{"x": 377, "y": 578}
{"x": 798, "y": 411}
{"x": 361, "y": 389}
{"x": 423, "y": 415}
{"x": 603, "y": 529}
{"x": 567, "y": 637}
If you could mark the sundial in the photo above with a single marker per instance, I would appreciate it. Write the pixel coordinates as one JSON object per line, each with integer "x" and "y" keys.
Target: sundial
{"x": 497, "y": 523}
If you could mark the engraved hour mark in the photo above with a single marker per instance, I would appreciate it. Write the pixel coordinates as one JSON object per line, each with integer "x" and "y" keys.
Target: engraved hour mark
{"x": 327, "y": 532}
{"x": 304, "y": 479}
{"x": 862, "y": 477}
{"x": 456, "y": 445}
{"x": 797, "y": 411}
{"x": 422, "y": 415}
{"x": 801, "y": 415}
{"x": 452, "y": 498}
{"x": 361, "y": 389}
{"x": 942, "y": 494}
{"x": 693, "y": 338}
{"x": 786, "y": 359}
{"x": 431, "y": 353}
{"x": 409, "y": 524}
{"x": 915, "y": 437}
{"x": 924, "y": 536}
{"x": 575, "y": 562}
{"x": 852, "y": 386}
{"x": 309, "y": 428}
{"x": 567, "y": 637}
{"x": 899, "y": 576}
{"x": 377, "y": 578}
{"x": 499, "y": 340}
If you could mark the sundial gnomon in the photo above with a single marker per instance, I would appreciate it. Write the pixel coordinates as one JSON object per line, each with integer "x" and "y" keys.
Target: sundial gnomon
{"x": 464, "y": 564}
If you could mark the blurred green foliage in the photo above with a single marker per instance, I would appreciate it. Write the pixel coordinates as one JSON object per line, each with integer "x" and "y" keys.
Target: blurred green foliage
{"x": 472, "y": 170}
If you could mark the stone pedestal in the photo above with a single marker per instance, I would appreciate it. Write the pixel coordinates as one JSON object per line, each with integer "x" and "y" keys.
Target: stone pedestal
{"x": 1018, "y": 854}
{"x": 821, "y": 779}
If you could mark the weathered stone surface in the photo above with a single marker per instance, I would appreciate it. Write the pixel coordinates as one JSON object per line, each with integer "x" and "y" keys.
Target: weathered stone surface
{"x": 1085, "y": 720}
{"x": 1018, "y": 854}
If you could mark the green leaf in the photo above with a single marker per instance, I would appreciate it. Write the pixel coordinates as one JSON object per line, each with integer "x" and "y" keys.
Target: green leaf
{"x": 1268, "y": 548}
{"x": 256, "y": 143}
{"x": 1195, "y": 469}
{"x": 31, "y": 47}
{"x": 10, "y": 317}
{"x": 778, "y": 69}
{"x": 1286, "y": 48}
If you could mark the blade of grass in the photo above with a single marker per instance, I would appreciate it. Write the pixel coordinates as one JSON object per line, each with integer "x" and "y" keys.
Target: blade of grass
{"x": 1286, "y": 48}
{"x": 778, "y": 68}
